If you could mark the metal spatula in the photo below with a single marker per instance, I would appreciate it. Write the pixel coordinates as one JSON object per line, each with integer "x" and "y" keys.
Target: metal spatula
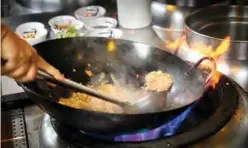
{"x": 146, "y": 104}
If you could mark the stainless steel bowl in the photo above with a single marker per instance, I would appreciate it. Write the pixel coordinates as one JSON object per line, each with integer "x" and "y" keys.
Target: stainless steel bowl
{"x": 53, "y": 5}
{"x": 211, "y": 25}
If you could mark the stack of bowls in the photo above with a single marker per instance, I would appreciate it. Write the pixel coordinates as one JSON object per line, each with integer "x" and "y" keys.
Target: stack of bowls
{"x": 96, "y": 24}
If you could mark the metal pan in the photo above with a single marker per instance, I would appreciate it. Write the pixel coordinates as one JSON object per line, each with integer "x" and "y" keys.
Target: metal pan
{"x": 121, "y": 58}
{"x": 191, "y": 3}
{"x": 211, "y": 25}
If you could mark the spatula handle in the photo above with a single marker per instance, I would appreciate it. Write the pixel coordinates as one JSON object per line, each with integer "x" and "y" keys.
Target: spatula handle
{"x": 82, "y": 88}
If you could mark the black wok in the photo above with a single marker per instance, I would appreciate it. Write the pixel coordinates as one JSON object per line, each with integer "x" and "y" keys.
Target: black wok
{"x": 125, "y": 59}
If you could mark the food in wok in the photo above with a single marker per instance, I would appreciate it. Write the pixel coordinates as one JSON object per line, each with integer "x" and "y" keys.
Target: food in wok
{"x": 154, "y": 81}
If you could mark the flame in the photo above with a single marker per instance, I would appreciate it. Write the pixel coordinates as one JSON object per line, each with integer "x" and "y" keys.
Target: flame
{"x": 222, "y": 48}
{"x": 208, "y": 50}
{"x": 174, "y": 44}
{"x": 215, "y": 79}
{"x": 111, "y": 46}
{"x": 89, "y": 73}
{"x": 171, "y": 8}
{"x": 202, "y": 49}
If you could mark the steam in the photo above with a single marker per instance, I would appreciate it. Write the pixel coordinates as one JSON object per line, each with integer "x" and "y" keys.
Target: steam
{"x": 123, "y": 80}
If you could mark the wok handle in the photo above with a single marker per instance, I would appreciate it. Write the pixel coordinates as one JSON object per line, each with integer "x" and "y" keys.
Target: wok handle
{"x": 213, "y": 69}
{"x": 79, "y": 87}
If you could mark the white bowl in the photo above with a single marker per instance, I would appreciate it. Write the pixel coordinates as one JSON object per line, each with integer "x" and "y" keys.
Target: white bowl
{"x": 35, "y": 28}
{"x": 60, "y": 19}
{"x": 101, "y": 23}
{"x": 64, "y": 21}
{"x": 108, "y": 33}
{"x": 90, "y": 12}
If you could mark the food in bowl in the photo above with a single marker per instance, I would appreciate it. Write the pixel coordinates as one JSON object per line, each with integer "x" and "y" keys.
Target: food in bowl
{"x": 126, "y": 93}
{"x": 64, "y": 23}
{"x": 32, "y": 32}
{"x": 70, "y": 32}
{"x": 61, "y": 26}
{"x": 29, "y": 34}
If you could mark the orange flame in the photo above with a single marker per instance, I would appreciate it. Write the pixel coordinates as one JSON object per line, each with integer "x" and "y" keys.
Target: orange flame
{"x": 215, "y": 79}
{"x": 208, "y": 50}
{"x": 215, "y": 54}
{"x": 89, "y": 73}
{"x": 204, "y": 49}
{"x": 222, "y": 48}
{"x": 111, "y": 46}
{"x": 174, "y": 45}
{"x": 171, "y": 8}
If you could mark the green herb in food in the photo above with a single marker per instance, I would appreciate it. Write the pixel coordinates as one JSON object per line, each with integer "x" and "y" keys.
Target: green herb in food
{"x": 71, "y": 32}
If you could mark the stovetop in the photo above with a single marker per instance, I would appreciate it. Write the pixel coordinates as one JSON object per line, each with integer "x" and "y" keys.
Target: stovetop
{"x": 26, "y": 126}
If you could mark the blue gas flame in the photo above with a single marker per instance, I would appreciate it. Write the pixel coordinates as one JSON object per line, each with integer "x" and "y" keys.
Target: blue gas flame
{"x": 168, "y": 129}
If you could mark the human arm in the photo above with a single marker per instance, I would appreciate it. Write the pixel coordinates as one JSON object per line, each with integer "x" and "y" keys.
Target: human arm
{"x": 20, "y": 60}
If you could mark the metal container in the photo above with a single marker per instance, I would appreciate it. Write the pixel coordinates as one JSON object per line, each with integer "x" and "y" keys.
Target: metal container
{"x": 191, "y": 3}
{"x": 211, "y": 25}
{"x": 134, "y": 14}
{"x": 53, "y": 5}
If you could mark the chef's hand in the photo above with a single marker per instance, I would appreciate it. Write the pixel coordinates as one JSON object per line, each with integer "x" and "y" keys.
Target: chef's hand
{"x": 20, "y": 60}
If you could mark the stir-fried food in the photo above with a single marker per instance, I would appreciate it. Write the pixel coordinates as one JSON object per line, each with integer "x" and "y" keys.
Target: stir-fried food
{"x": 158, "y": 81}
{"x": 155, "y": 81}
{"x": 81, "y": 100}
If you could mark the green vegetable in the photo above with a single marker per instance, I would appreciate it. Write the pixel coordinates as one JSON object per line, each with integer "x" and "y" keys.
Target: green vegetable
{"x": 71, "y": 32}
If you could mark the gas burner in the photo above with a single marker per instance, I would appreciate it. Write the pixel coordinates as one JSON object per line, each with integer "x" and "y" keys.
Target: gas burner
{"x": 198, "y": 122}
{"x": 167, "y": 129}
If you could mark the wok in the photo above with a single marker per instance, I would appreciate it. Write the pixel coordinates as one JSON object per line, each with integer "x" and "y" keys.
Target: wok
{"x": 125, "y": 59}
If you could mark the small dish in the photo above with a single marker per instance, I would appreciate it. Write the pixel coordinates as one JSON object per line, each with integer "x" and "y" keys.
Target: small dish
{"x": 84, "y": 14}
{"x": 101, "y": 23}
{"x": 63, "y": 23}
{"x": 32, "y": 32}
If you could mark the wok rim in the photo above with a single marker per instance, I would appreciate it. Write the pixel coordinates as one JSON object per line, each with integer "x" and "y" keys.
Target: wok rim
{"x": 193, "y": 30}
{"x": 108, "y": 113}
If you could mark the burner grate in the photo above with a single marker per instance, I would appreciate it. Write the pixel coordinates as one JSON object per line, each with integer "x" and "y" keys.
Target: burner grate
{"x": 13, "y": 133}
{"x": 18, "y": 129}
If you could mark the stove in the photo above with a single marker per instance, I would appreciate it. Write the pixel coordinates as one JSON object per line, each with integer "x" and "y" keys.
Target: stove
{"x": 221, "y": 122}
